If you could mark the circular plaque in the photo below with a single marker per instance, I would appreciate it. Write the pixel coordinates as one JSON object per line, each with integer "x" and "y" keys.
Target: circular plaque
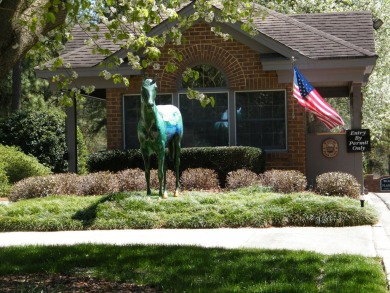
{"x": 330, "y": 148}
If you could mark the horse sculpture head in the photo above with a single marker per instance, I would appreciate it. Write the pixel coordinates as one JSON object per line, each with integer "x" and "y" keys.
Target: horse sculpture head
{"x": 149, "y": 91}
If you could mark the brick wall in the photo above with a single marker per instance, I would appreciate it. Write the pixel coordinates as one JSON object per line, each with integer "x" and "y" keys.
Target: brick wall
{"x": 242, "y": 68}
{"x": 373, "y": 184}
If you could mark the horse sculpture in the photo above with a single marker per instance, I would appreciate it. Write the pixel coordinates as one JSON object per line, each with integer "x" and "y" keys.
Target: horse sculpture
{"x": 159, "y": 127}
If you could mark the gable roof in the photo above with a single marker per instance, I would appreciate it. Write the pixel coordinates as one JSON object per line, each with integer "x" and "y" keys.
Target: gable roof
{"x": 323, "y": 36}
{"x": 355, "y": 27}
{"x": 312, "y": 37}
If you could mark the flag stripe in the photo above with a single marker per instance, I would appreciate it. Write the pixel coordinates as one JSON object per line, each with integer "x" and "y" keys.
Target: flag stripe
{"x": 309, "y": 98}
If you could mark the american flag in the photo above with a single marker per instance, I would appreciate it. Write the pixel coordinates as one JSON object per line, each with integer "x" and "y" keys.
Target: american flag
{"x": 309, "y": 98}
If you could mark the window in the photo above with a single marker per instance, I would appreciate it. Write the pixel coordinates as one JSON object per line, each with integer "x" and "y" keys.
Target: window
{"x": 209, "y": 77}
{"x": 261, "y": 119}
{"x": 205, "y": 126}
{"x": 131, "y": 114}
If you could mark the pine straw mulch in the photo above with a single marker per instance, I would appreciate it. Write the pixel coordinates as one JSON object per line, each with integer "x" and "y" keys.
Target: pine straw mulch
{"x": 67, "y": 283}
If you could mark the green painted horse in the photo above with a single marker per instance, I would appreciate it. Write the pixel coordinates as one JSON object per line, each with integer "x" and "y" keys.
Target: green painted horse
{"x": 159, "y": 127}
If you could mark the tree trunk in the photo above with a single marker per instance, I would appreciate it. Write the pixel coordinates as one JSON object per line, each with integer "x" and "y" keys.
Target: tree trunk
{"x": 17, "y": 87}
{"x": 16, "y": 37}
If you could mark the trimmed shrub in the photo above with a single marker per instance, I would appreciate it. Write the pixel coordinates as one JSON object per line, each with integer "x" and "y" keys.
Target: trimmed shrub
{"x": 32, "y": 187}
{"x": 98, "y": 183}
{"x": 18, "y": 165}
{"x": 116, "y": 160}
{"x": 221, "y": 159}
{"x": 171, "y": 180}
{"x": 41, "y": 134}
{"x": 199, "y": 179}
{"x": 131, "y": 180}
{"x": 284, "y": 181}
{"x": 241, "y": 178}
{"x": 42, "y": 186}
{"x": 337, "y": 184}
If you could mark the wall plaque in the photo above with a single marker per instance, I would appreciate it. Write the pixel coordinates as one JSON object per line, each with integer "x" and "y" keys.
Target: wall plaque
{"x": 385, "y": 184}
{"x": 330, "y": 148}
{"x": 358, "y": 140}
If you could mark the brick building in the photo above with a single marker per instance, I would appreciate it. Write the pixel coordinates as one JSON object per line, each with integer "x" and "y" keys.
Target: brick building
{"x": 250, "y": 78}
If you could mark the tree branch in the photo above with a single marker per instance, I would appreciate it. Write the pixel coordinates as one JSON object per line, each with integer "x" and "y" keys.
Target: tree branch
{"x": 16, "y": 27}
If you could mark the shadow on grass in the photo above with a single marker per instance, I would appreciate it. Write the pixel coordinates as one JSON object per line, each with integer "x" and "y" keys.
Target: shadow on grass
{"x": 195, "y": 269}
{"x": 88, "y": 215}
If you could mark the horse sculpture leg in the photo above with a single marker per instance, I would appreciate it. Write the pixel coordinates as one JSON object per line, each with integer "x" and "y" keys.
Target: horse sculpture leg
{"x": 161, "y": 175}
{"x": 147, "y": 171}
{"x": 177, "y": 150}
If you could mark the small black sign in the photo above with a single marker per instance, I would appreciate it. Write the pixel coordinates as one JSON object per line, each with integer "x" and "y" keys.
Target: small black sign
{"x": 385, "y": 184}
{"x": 358, "y": 140}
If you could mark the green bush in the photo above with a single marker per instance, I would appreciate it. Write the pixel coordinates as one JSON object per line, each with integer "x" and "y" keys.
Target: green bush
{"x": 18, "y": 165}
{"x": 284, "y": 181}
{"x": 4, "y": 182}
{"x": 241, "y": 178}
{"x": 115, "y": 160}
{"x": 221, "y": 159}
{"x": 41, "y": 134}
{"x": 199, "y": 179}
{"x": 338, "y": 184}
{"x": 82, "y": 153}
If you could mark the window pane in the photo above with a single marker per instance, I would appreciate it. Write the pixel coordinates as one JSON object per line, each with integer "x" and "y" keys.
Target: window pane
{"x": 132, "y": 111}
{"x": 261, "y": 119}
{"x": 205, "y": 126}
{"x": 209, "y": 77}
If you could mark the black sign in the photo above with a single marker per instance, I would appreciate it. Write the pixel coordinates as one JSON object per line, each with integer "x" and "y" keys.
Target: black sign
{"x": 385, "y": 184}
{"x": 358, "y": 140}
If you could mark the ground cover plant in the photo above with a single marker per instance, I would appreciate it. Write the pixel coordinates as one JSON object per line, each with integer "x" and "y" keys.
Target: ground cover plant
{"x": 184, "y": 269}
{"x": 245, "y": 207}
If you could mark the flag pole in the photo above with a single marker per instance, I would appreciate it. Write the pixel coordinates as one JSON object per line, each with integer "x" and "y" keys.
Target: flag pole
{"x": 292, "y": 70}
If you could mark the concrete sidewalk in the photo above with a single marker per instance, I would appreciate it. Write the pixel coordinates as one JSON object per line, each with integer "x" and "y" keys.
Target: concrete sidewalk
{"x": 368, "y": 241}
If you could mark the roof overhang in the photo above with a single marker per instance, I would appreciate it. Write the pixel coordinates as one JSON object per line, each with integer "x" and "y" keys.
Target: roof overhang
{"x": 88, "y": 76}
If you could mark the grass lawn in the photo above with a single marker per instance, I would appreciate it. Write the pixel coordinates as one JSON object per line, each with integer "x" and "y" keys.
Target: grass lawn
{"x": 106, "y": 268}
{"x": 247, "y": 207}
{"x": 193, "y": 269}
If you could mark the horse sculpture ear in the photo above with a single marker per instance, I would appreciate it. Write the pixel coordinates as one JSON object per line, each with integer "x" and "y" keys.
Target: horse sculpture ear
{"x": 148, "y": 82}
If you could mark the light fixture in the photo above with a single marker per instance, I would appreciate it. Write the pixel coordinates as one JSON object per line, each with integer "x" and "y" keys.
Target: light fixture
{"x": 377, "y": 23}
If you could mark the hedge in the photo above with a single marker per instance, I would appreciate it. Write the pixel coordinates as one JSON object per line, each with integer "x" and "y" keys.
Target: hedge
{"x": 221, "y": 159}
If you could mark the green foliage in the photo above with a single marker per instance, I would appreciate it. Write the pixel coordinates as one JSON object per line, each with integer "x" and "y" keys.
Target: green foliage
{"x": 4, "y": 182}
{"x": 338, "y": 184}
{"x": 248, "y": 207}
{"x": 115, "y": 160}
{"x": 221, "y": 159}
{"x": 82, "y": 153}
{"x": 284, "y": 181}
{"x": 18, "y": 165}
{"x": 41, "y": 134}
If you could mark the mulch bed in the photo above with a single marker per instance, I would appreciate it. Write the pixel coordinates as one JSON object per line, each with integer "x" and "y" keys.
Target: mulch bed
{"x": 66, "y": 283}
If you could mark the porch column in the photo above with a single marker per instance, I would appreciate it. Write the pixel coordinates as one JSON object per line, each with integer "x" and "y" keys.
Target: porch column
{"x": 71, "y": 136}
{"x": 356, "y": 123}
{"x": 356, "y": 109}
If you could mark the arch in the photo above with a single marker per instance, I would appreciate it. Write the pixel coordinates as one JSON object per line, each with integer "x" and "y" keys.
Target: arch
{"x": 206, "y": 54}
